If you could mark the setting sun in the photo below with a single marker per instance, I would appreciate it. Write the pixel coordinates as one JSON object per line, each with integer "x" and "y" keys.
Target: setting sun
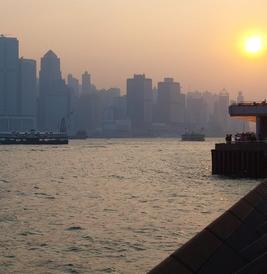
{"x": 254, "y": 44}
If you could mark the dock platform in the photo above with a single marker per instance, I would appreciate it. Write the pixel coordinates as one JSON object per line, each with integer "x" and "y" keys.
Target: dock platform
{"x": 248, "y": 159}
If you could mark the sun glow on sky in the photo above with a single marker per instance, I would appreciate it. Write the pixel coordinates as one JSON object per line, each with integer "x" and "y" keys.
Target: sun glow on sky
{"x": 254, "y": 44}
{"x": 114, "y": 39}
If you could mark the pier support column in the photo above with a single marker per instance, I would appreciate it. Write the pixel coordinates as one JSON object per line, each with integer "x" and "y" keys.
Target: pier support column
{"x": 261, "y": 127}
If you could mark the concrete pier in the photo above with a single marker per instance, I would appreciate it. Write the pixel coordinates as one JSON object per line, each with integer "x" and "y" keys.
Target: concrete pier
{"x": 247, "y": 155}
{"x": 240, "y": 160}
{"x": 236, "y": 242}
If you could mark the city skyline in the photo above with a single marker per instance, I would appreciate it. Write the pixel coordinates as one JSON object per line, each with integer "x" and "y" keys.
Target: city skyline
{"x": 69, "y": 76}
{"x": 28, "y": 103}
{"x": 105, "y": 38}
{"x": 126, "y": 126}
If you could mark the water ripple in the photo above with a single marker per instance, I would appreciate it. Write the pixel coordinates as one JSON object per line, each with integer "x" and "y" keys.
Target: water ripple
{"x": 102, "y": 206}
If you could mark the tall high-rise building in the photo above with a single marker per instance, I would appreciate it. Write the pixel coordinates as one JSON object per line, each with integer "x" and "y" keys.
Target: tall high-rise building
{"x": 17, "y": 88}
{"x": 196, "y": 111}
{"x": 221, "y": 114}
{"x": 170, "y": 102}
{"x": 74, "y": 87}
{"x": 139, "y": 101}
{"x": 223, "y": 105}
{"x": 209, "y": 98}
{"x": 120, "y": 108}
{"x": 73, "y": 84}
{"x": 54, "y": 99}
{"x": 86, "y": 83}
{"x": 9, "y": 75}
{"x": 28, "y": 89}
{"x": 50, "y": 74}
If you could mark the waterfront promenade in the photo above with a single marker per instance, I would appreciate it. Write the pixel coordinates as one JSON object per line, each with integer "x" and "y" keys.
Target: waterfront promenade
{"x": 236, "y": 242}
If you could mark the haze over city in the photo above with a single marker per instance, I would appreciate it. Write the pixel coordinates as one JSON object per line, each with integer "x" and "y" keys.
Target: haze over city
{"x": 196, "y": 42}
{"x": 133, "y": 134}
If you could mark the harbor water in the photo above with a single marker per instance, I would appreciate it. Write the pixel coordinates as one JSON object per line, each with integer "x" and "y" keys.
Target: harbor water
{"x": 106, "y": 206}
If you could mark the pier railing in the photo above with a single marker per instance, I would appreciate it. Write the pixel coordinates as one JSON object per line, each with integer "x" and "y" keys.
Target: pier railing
{"x": 250, "y": 103}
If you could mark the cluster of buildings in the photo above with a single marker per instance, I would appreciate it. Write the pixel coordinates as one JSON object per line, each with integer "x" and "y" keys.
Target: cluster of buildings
{"x": 30, "y": 102}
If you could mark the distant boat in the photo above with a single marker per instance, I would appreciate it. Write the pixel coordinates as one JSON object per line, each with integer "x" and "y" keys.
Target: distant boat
{"x": 33, "y": 138}
{"x": 193, "y": 136}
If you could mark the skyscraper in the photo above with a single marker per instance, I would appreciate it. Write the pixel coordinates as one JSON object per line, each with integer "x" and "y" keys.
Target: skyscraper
{"x": 9, "y": 75}
{"x": 54, "y": 99}
{"x": 221, "y": 114}
{"x": 139, "y": 102}
{"x": 27, "y": 87}
{"x": 17, "y": 88}
{"x": 86, "y": 83}
{"x": 73, "y": 84}
{"x": 170, "y": 102}
{"x": 196, "y": 111}
{"x": 74, "y": 87}
{"x": 50, "y": 74}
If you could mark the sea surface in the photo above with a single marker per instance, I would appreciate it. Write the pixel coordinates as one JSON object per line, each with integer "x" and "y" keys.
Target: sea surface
{"x": 106, "y": 206}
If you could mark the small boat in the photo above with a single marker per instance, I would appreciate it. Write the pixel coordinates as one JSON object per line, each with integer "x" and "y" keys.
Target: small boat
{"x": 193, "y": 136}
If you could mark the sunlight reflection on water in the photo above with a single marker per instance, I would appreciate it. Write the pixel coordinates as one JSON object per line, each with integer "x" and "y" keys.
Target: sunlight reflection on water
{"x": 106, "y": 206}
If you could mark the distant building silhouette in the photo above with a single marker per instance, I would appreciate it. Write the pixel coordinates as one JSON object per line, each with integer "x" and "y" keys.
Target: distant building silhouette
{"x": 210, "y": 99}
{"x": 108, "y": 98}
{"x": 221, "y": 117}
{"x": 54, "y": 99}
{"x": 73, "y": 84}
{"x": 170, "y": 102}
{"x": 75, "y": 92}
{"x": 50, "y": 72}
{"x": 90, "y": 112}
{"x": 196, "y": 111}
{"x": 139, "y": 102}
{"x": 240, "y": 97}
{"x": 28, "y": 87}
{"x": 17, "y": 88}
{"x": 9, "y": 69}
{"x": 120, "y": 108}
{"x": 143, "y": 111}
{"x": 86, "y": 83}
{"x": 222, "y": 107}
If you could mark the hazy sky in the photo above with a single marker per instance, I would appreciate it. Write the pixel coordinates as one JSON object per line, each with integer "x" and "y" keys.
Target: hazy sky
{"x": 194, "y": 41}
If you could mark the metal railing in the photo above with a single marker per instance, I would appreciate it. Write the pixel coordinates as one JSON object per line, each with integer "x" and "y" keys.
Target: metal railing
{"x": 250, "y": 103}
